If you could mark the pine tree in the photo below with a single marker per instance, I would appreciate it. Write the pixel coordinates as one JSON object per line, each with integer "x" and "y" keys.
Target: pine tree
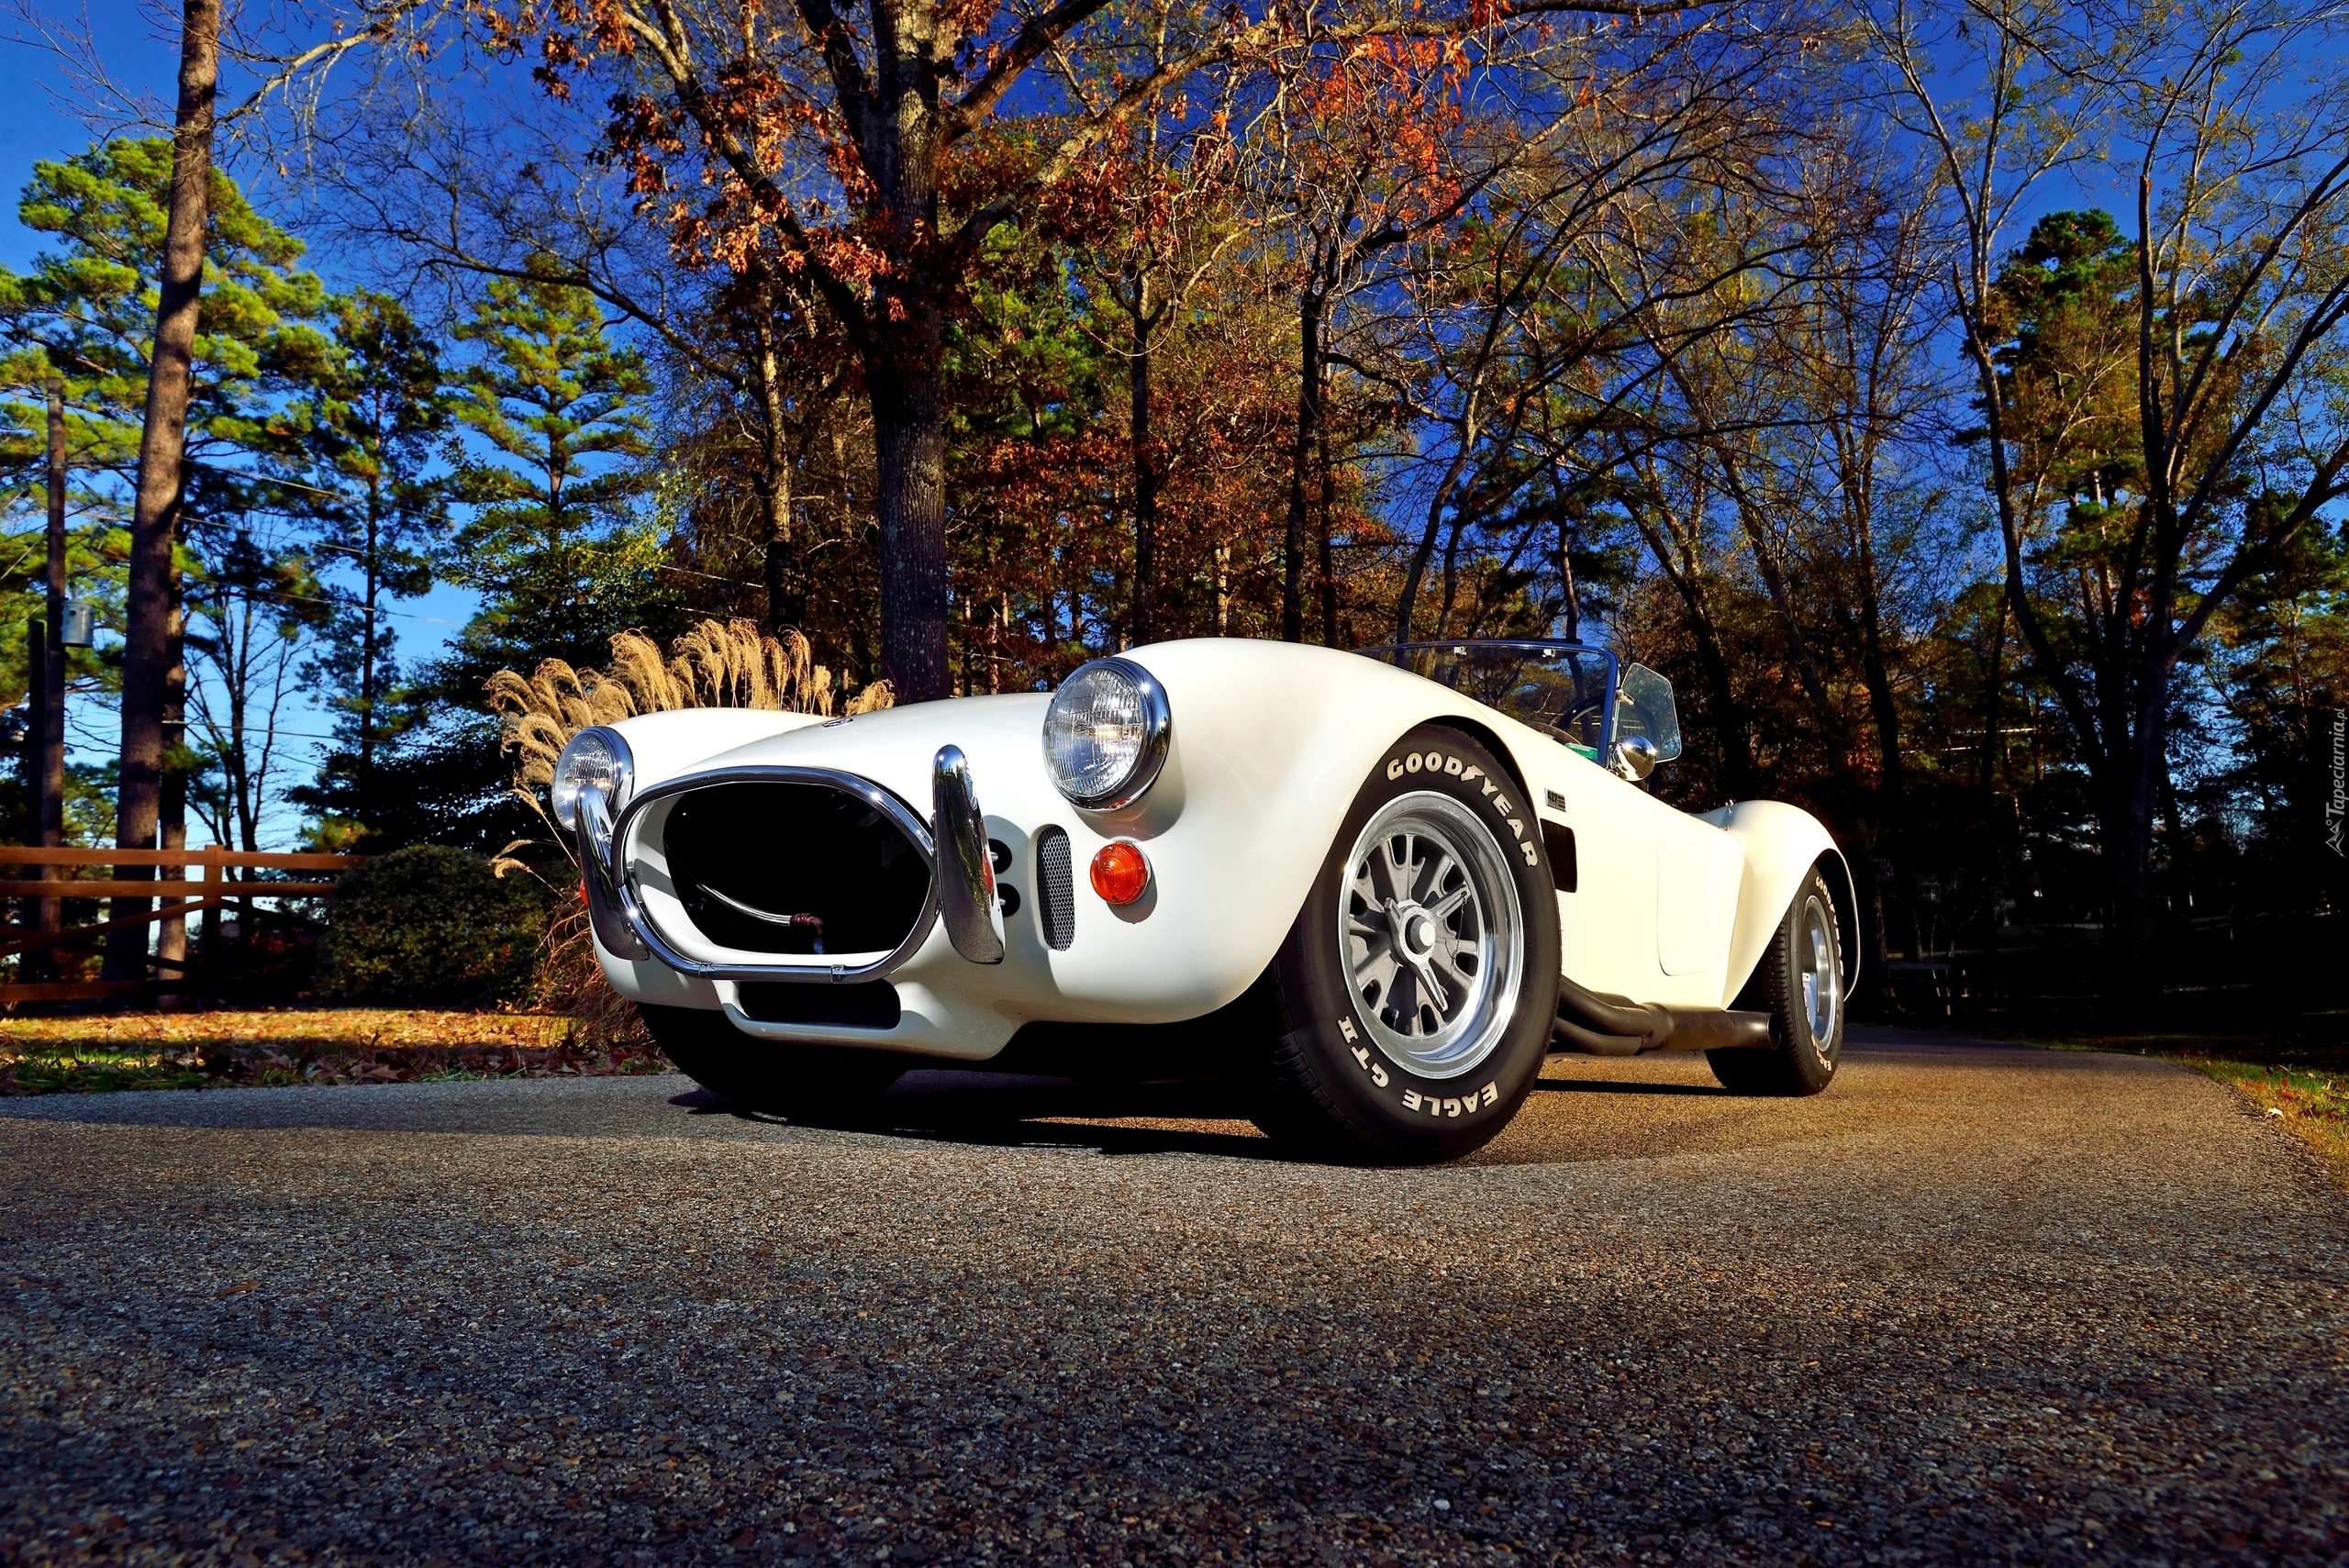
{"x": 553, "y": 546}
{"x": 374, "y": 429}
{"x": 558, "y": 546}
{"x": 86, "y": 311}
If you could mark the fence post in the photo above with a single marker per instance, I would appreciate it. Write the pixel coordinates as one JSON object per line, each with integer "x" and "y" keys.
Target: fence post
{"x": 210, "y": 943}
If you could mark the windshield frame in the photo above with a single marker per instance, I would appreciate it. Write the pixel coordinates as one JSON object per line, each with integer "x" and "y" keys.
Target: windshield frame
{"x": 1388, "y": 652}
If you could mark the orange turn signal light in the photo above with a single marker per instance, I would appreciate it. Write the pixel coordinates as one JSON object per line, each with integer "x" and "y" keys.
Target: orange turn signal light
{"x": 1121, "y": 872}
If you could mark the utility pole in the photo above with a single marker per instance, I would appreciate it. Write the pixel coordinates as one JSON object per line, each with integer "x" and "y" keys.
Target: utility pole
{"x": 163, "y": 479}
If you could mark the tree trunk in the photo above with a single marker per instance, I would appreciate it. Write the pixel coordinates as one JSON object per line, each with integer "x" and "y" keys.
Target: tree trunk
{"x": 367, "y": 646}
{"x": 1733, "y": 729}
{"x": 1993, "y": 746}
{"x": 1329, "y": 565}
{"x": 50, "y": 784}
{"x": 1406, "y": 603}
{"x": 1300, "y": 459}
{"x": 786, "y": 607}
{"x": 1451, "y": 575}
{"x": 1570, "y": 599}
{"x": 1138, "y": 437}
{"x": 162, "y": 450}
{"x": 171, "y": 936}
{"x": 2127, "y": 821}
{"x": 39, "y": 914}
{"x": 1884, "y": 712}
{"x": 910, "y": 433}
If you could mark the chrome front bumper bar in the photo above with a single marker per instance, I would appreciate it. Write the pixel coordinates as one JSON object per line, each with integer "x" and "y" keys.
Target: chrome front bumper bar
{"x": 961, "y": 873}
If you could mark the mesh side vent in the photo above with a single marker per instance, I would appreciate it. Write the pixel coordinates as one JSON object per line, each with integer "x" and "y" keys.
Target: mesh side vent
{"x": 1055, "y": 888}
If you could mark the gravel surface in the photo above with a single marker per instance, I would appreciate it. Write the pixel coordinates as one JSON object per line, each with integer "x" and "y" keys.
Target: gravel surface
{"x": 1972, "y": 1303}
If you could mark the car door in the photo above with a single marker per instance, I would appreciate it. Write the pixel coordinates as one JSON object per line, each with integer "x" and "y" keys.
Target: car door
{"x": 1697, "y": 872}
{"x": 1607, "y": 922}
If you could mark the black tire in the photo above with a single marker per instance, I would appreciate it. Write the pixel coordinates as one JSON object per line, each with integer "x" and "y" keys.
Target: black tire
{"x": 797, "y": 1080}
{"x": 1360, "y": 1072}
{"x": 1808, "y": 944}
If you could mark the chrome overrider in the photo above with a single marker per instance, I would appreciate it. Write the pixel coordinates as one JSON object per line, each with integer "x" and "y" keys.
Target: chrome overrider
{"x": 962, "y": 877}
{"x": 973, "y": 917}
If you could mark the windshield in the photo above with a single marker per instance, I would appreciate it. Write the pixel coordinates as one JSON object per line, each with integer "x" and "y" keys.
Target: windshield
{"x": 1560, "y": 688}
{"x": 1645, "y": 706}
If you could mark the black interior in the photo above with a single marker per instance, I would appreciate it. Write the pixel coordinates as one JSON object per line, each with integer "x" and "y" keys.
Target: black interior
{"x": 832, "y": 874}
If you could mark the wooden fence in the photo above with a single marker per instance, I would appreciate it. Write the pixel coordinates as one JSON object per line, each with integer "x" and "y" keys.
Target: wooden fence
{"x": 179, "y": 896}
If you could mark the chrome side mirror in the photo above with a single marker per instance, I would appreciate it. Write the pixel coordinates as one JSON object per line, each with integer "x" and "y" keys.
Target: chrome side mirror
{"x": 1635, "y": 757}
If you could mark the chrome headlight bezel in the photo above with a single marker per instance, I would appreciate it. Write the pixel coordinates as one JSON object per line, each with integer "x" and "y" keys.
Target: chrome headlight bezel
{"x": 614, "y": 780}
{"x": 1150, "y": 756}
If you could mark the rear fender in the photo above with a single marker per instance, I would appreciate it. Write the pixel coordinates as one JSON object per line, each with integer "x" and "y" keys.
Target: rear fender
{"x": 1782, "y": 843}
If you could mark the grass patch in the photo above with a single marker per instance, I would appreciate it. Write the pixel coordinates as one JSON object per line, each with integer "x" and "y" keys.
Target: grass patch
{"x": 101, "y": 1054}
{"x": 2312, "y": 1106}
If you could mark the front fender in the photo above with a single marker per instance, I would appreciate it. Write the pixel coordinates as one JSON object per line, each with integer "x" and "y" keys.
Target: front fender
{"x": 663, "y": 745}
{"x": 1272, "y": 741}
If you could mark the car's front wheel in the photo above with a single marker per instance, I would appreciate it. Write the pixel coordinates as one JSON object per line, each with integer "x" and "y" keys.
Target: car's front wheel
{"x": 1800, "y": 983}
{"x": 1416, "y": 990}
{"x": 784, "y": 1080}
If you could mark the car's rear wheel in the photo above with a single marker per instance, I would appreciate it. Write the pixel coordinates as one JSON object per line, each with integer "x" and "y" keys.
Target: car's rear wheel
{"x": 1414, "y": 994}
{"x": 1800, "y": 982}
{"x": 798, "y": 1081}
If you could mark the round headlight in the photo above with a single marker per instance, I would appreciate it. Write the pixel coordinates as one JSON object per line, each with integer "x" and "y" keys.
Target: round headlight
{"x": 597, "y": 759}
{"x": 1105, "y": 735}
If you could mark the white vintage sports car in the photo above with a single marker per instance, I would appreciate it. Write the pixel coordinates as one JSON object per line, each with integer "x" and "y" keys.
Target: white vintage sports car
{"x": 1375, "y": 891}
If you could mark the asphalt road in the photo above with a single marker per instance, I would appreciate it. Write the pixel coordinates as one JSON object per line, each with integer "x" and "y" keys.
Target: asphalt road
{"x": 1973, "y": 1303}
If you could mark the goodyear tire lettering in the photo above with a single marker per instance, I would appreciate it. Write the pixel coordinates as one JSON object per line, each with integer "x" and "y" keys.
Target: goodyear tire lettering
{"x": 1532, "y": 857}
{"x": 1412, "y": 764}
{"x": 1471, "y": 772}
{"x": 1394, "y": 767}
{"x": 1411, "y": 1101}
{"x": 1452, "y": 765}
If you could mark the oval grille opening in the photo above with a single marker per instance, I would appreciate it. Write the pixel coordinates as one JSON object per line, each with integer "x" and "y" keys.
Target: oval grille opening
{"x": 793, "y": 868}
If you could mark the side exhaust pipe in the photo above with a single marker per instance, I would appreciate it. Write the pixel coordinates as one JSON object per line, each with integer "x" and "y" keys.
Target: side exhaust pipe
{"x": 966, "y": 896}
{"x": 1596, "y": 1023}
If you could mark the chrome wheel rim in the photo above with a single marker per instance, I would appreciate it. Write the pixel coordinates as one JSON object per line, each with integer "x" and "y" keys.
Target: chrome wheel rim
{"x": 1432, "y": 935}
{"x": 1820, "y": 973}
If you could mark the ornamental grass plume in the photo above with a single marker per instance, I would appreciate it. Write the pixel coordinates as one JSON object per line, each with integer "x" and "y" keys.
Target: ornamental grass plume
{"x": 717, "y": 663}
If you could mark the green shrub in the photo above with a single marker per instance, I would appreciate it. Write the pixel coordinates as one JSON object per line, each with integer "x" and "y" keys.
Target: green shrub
{"x": 429, "y": 925}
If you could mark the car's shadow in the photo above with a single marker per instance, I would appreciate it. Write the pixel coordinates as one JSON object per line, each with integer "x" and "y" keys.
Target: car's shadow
{"x": 1613, "y": 1086}
{"x": 1004, "y": 1110}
